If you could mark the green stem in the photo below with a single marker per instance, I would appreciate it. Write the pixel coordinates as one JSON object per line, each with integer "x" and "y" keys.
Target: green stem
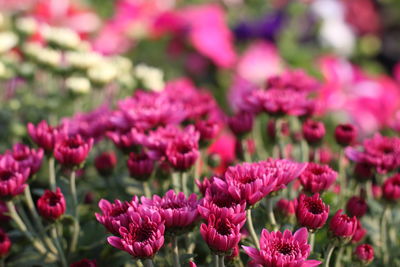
{"x": 339, "y": 255}
{"x": 184, "y": 180}
{"x": 221, "y": 262}
{"x": 304, "y": 150}
{"x": 75, "y": 234}
{"x": 246, "y": 153}
{"x": 56, "y": 238}
{"x": 175, "y": 182}
{"x": 278, "y": 131}
{"x": 22, "y": 227}
{"x": 250, "y": 227}
{"x": 148, "y": 263}
{"x": 52, "y": 174}
{"x": 37, "y": 220}
{"x": 175, "y": 251}
{"x": 342, "y": 177}
{"x": 385, "y": 252}
{"x": 312, "y": 240}
{"x": 216, "y": 260}
{"x": 271, "y": 215}
{"x": 146, "y": 189}
{"x": 328, "y": 253}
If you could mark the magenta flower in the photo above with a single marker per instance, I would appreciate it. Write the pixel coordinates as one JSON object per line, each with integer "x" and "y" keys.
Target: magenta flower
{"x": 182, "y": 154}
{"x": 114, "y": 214}
{"x": 84, "y": 263}
{"x": 247, "y": 181}
{"x": 219, "y": 202}
{"x": 140, "y": 166}
{"x": 51, "y": 205}
{"x": 356, "y": 206}
{"x": 105, "y": 163}
{"x": 241, "y": 123}
{"x": 343, "y": 226}
{"x": 313, "y": 131}
{"x": 208, "y": 129}
{"x": 286, "y": 207}
{"x": 126, "y": 140}
{"x": 359, "y": 234}
{"x": 380, "y": 152}
{"x": 176, "y": 210}
{"x": 283, "y": 171}
{"x": 43, "y": 135}
{"x": 72, "y": 151}
{"x": 220, "y": 234}
{"x": 27, "y": 157}
{"x": 391, "y": 188}
{"x": 4, "y": 212}
{"x": 345, "y": 134}
{"x": 317, "y": 178}
{"x": 5, "y": 244}
{"x": 312, "y": 212}
{"x": 364, "y": 253}
{"x": 143, "y": 234}
{"x": 12, "y": 178}
{"x": 282, "y": 249}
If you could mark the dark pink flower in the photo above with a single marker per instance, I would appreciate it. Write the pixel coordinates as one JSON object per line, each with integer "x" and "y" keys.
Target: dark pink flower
{"x": 241, "y": 123}
{"x": 286, "y": 207}
{"x": 313, "y": 131}
{"x": 126, "y": 140}
{"x": 4, "y": 212}
{"x": 342, "y": 225}
{"x": 208, "y": 129}
{"x": 363, "y": 171}
{"x": 296, "y": 79}
{"x": 282, "y": 249}
{"x": 247, "y": 181}
{"x": 317, "y": 178}
{"x": 140, "y": 166}
{"x": 72, "y": 151}
{"x": 27, "y": 157}
{"x": 203, "y": 185}
{"x": 376, "y": 191}
{"x": 220, "y": 234}
{"x": 51, "y": 205}
{"x": 356, "y": 206}
{"x": 84, "y": 263}
{"x": 5, "y": 244}
{"x": 364, "y": 253}
{"x": 182, "y": 154}
{"x": 143, "y": 234}
{"x": 359, "y": 234}
{"x": 113, "y": 214}
{"x": 380, "y": 152}
{"x": 12, "y": 178}
{"x": 176, "y": 210}
{"x": 391, "y": 188}
{"x": 43, "y": 135}
{"x": 312, "y": 212}
{"x": 345, "y": 134}
{"x": 105, "y": 163}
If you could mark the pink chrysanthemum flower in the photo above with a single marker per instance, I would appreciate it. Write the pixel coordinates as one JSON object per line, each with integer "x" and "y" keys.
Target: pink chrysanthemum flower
{"x": 177, "y": 211}
{"x": 143, "y": 235}
{"x": 51, "y": 205}
{"x": 391, "y": 188}
{"x": 380, "y": 152}
{"x": 27, "y": 157}
{"x": 317, "y": 178}
{"x": 247, "y": 181}
{"x": 72, "y": 151}
{"x": 43, "y": 135}
{"x": 126, "y": 140}
{"x": 343, "y": 226}
{"x": 282, "y": 249}
{"x": 312, "y": 212}
{"x": 12, "y": 178}
{"x": 182, "y": 153}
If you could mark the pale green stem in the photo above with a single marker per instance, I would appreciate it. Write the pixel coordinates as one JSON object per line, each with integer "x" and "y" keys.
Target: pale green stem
{"x": 216, "y": 260}
{"x": 250, "y": 227}
{"x": 184, "y": 180}
{"x": 76, "y": 229}
{"x": 175, "y": 251}
{"x": 56, "y": 238}
{"x": 304, "y": 150}
{"x": 246, "y": 153}
{"x": 52, "y": 174}
{"x": 37, "y": 220}
{"x": 146, "y": 189}
{"x": 338, "y": 259}
{"x": 148, "y": 263}
{"x": 385, "y": 252}
{"x": 312, "y": 240}
{"x": 328, "y": 254}
{"x": 278, "y": 131}
{"x": 342, "y": 177}
{"x": 175, "y": 182}
{"x": 22, "y": 227}
{"x": 271, "y": 215}
{"x": 221, "y": 262}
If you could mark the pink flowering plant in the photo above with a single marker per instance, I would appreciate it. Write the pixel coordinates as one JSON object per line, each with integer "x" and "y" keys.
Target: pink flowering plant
{"x": 199, "y": 133}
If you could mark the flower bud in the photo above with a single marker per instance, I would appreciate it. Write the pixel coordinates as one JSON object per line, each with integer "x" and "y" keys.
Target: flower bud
{"x": 51, "y": 205}
{"x": 364, "y": 253}
{"x": 313, "y": 132}
{"x": 345, "y": 134}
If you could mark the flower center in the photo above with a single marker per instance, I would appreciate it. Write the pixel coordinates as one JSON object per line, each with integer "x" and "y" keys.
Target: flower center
{"x": 53, "y": 200}
{"x": 223, "y": 228}
{"x": 144, "y": 233}
{"x": 285, "y": 249}
{"x": 73, "y": 143}
{"x": 118, "y": 210}
{"x": 173, "y": 205}
{"x": 6, "y": 175}
{"x": 315, "y": 207}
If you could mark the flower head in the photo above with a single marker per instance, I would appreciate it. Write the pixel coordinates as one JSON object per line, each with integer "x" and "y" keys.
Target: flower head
{"x": 282, "y": 249}
{"x": 72, "y": 151}
{"x": 241, "y": 123}
{"x": 359, "y": 234}
{"x": 176, "y": 210}
{"x": 182, "y": 153}
{"x": 5, "y": 244}
{"x": 364, "y": 253}
{"x": 343, "y": 226}
{"x": 51, "y": 205}
{"x": 313, "y": 131}
{"x": 220, "y": 234}
{"x": 43, "y": 135}
{"x": 345, "y": 134}
{"x": 312, "y": 212}
{"x": 126, "y": 139}
{"x": 84, "y": 263}
{"x": 142, "y": 236}
{"x": 140, "y": 166}
{"x": 27, "y": 157}
{"x": 12, "y": 178}
{"x": 286, "y": 207}
{"x": 105, "y": 163}
{"x": 391, "y": 188}
{"x": 356, "y": 206}
{"x": 317, "y": 178}
{"x": 380, "y": 152}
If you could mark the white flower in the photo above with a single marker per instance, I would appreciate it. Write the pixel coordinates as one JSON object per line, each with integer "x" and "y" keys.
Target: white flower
{"x": 78, "y": 85}
{"x": 62, "y": 37}
{"x": 338, "y": 35}
{"x": 26, "y": 25}
{"x": 152, "y": 78}
{"x": 83, "y": 60}
{"x": 103, "y": 73}
{"x": 7, "y": 41}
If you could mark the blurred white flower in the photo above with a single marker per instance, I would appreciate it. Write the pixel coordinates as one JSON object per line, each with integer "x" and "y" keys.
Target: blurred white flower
{"x": 7, "y": 41}
{"x": 62, "y": 37}
{"x": 152, "y": 78}
{"x": 339, "y": 36}
{"x": 83, "y": 60}
{"x": 78, "y": 85}
{"x": 102, "y": 74}
{"x": 26, "y": 25}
